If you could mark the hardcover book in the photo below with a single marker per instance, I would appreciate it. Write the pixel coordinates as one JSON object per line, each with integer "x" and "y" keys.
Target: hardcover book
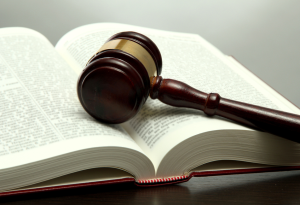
{"x": 48, "y": 142}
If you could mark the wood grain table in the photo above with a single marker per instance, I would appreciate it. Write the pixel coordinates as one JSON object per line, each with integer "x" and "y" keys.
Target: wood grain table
{"x": 259, "y": 188}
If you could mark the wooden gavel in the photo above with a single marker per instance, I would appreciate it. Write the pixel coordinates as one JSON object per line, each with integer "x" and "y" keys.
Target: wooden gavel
{"x": 118, "y": 79}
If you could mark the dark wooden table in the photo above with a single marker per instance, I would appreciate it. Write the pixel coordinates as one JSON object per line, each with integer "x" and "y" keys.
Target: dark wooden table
{"x": 259, "y": 188}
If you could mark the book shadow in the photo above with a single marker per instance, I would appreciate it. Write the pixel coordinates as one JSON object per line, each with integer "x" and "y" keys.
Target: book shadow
{"x": 253, "y": 188}
{"x": 258, "y": 188}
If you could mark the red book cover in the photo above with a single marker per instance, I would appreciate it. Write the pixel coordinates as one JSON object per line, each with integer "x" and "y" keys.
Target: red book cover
{"x": 148, "y": 183}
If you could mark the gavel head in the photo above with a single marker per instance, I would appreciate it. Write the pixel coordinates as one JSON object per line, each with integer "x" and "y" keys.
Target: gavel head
{"x": 115, "y": 83}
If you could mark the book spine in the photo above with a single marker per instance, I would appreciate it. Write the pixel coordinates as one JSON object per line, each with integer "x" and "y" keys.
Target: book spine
{"x": 160, "y": 180}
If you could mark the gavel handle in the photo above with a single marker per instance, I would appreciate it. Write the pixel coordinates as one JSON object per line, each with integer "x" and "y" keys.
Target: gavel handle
{"x": 179, "y": 94}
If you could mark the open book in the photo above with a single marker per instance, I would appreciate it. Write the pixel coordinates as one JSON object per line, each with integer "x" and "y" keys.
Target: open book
{"x": 48, "y": 140}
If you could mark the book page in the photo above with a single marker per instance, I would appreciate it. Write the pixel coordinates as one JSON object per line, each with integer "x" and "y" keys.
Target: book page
{"x": 85, "y": 176}
{"x": 158, "y": 128}
{"x": 40, "y": 115}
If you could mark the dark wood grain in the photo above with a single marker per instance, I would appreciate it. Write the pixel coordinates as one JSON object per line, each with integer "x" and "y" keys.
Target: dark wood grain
{"x": 125, "y": 81}
{"x": 114, "y": 85}
{"x": 255, "y": 189}
{"x": 131, "y": 60}
{"x": 111, "y": 90}
{"x": 179, "y": 94}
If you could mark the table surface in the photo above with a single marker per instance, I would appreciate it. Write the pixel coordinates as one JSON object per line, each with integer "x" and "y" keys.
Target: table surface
{"x": 259, "y": 188}
{"x": 262, "y": 35}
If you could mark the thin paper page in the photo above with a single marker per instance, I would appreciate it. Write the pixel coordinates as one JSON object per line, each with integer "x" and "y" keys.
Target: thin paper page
{"x": 39, "y": 105}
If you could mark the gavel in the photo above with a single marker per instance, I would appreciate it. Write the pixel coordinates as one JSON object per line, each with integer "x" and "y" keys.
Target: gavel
{"x": 118, "y": 79}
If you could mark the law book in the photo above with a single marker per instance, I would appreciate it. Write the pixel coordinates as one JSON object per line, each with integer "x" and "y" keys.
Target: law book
{"x": 48, "y": 141}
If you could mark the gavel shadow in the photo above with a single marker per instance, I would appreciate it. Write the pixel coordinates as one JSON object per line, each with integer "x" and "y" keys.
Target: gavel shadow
{"x": 259, "y": 188}
{"x": 163, "y": 111}
{"x": 150, "y": 112}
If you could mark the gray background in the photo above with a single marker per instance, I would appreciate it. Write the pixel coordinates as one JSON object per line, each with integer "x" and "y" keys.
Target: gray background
{"x": 262, "y": 34}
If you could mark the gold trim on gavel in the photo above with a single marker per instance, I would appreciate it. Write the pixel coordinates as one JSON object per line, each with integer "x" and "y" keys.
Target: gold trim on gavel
{"x": 135, "y": 50}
